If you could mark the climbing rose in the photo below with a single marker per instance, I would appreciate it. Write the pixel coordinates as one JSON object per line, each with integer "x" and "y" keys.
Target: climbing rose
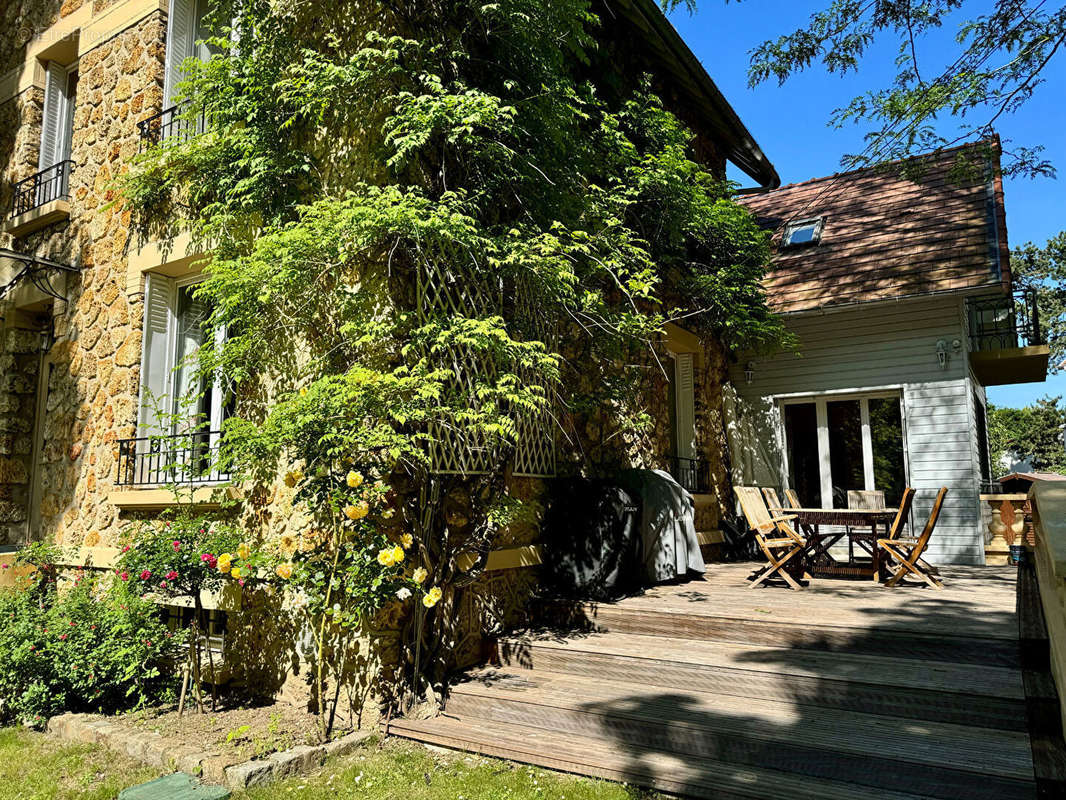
{"x": 172, "y": 575}
{"x": 176, "y": 545}
{"x": 146, "y": 575}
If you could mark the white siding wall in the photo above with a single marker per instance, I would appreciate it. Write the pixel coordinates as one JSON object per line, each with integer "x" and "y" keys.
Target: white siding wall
{"x": 869, "y": 348}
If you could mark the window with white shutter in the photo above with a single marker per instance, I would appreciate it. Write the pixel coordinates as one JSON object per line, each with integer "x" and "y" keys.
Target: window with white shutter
{"x": 57, "y": 128}
{"x": 186, "y": 34}
{"x": 174, "y": 401}
{"x": 685, "y": 398}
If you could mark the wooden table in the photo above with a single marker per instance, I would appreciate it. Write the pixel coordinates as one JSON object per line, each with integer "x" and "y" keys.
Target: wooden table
{"x": 861, "y": 525}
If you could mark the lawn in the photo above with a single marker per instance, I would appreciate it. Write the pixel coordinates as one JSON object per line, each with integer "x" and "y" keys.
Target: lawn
{"x": 36, "y": 767}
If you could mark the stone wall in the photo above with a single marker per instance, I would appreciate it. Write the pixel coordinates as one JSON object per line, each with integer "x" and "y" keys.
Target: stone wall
{"x": 94, "y": 385}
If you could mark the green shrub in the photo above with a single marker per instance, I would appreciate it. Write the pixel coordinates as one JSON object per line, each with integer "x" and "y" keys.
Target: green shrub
{"x": 86, "y": 646}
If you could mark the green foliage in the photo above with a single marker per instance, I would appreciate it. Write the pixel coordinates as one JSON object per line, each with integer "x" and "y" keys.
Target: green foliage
{"x": 1033, "y": 433}
{"x": 1044, "y": 269}
{"x": 1002, "y": 57}
{"x": 82, "y": 648}
{"x": 429, "y": 222}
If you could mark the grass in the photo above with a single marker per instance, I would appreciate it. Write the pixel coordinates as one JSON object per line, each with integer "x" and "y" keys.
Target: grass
{"x": 405, "y": 771}
{"x": 37, "y": 767}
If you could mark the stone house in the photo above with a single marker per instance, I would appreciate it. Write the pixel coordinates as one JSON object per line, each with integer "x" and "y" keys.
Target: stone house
{"x": 94, "y": 319}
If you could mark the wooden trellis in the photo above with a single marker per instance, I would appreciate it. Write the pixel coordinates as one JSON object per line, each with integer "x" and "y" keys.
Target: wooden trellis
{"x": 443, "y": 293}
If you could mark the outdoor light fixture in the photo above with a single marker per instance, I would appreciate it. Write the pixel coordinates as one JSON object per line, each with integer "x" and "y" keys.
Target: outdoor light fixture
{"x": 942, "y": 353}
{"x": 749, "y": 372}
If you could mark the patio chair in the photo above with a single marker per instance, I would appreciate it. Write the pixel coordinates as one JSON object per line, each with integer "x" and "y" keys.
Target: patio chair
{"x": 773, "y": 502}
{"x": 793, "y": 499}
{"x": 905, "y": 555}
{"x": 781, "y": 545}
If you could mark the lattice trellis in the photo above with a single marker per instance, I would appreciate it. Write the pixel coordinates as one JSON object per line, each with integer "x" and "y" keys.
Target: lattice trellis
{"x": 443, "y": 293}
{"x": 535, "y": 450}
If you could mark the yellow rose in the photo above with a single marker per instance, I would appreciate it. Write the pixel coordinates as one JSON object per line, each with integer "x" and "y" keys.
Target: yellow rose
{"x": 354, "y": 479}
{"x": 357, "y": 511}
{"x": 235, "y": 572}
{"x": 385, "y": 557}
{"x": 432, "y": 597}
{"x": 397, "y": 555}
{"x": 303, "y": 391}
{"x": 284, "y": 571}
{"x": 420, "y": 575}
{"x": 243, "y": 551}
{"x": 407, "y": 540}
{"x": 224, "y": 562}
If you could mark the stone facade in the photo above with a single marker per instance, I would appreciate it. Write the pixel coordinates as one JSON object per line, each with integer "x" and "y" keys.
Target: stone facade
{"x": 57, "y": 469}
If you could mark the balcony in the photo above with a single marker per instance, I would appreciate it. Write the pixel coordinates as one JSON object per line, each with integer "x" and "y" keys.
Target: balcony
{"x": 186, "y": 459}
{"x": 1006, "y": 343}
{"x": 41, "y": 199}
{"x": 171, "y": 124}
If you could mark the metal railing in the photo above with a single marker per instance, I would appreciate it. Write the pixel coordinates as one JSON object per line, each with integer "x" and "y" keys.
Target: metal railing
{"x": 51, "y": 183}
{"x": 692, "y": 473}
{"x": 1003, "y": 323}
{"x": 171, "y": 124}
{"x": 185, "y": 458}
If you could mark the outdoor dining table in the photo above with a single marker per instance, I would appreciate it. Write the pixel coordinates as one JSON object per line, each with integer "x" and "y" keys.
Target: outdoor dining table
{"x": 864, "y": 526}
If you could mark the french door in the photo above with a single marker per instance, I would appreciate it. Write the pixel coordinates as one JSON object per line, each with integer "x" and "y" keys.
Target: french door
{"x": 834, "y": 444}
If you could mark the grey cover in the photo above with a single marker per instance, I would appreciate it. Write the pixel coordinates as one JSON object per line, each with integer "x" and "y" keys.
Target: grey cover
{"x": 667, "y": 526}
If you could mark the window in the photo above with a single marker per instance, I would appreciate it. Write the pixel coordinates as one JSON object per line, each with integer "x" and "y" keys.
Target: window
{"x": 807, "y": 231}
{"x": 180, "y": 417}
{"x": 185, "y": 39}
{"x": 834, "y": 445}
{"x": 981, "y": 421}
{"x": 57, "y": 128}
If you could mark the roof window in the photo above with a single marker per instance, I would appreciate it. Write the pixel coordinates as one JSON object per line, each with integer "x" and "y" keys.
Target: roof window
{"x": 804, "y": 231}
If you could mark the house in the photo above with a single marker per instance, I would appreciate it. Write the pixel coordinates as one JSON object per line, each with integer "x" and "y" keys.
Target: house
{"x": 96, "y": 318}
{"x": 899, "y": 294}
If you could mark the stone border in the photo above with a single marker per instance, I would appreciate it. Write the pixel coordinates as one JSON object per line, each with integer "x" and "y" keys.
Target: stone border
{"x": 157, "y": 751}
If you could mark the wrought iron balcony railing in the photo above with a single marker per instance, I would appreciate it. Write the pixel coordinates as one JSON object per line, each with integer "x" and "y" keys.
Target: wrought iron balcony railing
{"x": 692, "y": 473}
{"x": 182, "y": 459}
{"x": 1003, "y": 323}
{"x": 171, "y": 124}
{"x": 51, "y": 183}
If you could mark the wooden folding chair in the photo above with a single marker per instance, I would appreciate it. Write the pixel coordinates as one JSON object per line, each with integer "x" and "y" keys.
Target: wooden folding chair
{"x": 793, "y": 498}
{"x": 773, "y": 502}
{"x": 900, "y": 521}
{"x": 781, "y": 545}
{"x": 907, "y": 553}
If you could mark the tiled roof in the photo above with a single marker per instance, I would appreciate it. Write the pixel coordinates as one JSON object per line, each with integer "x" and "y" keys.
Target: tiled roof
{"x": 885, "y": 236}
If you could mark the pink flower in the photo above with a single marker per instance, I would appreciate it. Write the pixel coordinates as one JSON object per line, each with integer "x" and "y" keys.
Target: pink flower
{"x": 172, "y": 575}
{"x": 72, "y": 623}
{"x": 32, "y": 648}
{"x": 125, "y": 576}
{"x": 162, "y": 584}
{"x": 240, "y": 582}
{"x": 6, "y": 566}
{"x": 62, "y": 637}
{"x": 176, "y": 545}
{"x": 126, "y": 549}
{"x": 146, "y": 575}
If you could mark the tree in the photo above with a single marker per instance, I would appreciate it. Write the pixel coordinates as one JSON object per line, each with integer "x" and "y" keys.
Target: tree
{"x": 1033, "y": 434}
{"x": 436, "y": 228}
{"x": 1003, "y": 55}
{"x": 1044, "y": 270}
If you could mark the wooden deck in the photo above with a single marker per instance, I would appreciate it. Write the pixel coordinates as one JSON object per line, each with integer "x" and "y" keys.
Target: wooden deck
{"x": 709, "y": 689}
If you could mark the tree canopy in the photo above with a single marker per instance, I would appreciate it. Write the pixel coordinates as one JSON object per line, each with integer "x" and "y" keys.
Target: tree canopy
{"x": 1044, "y": 269}
{"x": 1033, "y": 434}
{"x": 1003, "y": 54}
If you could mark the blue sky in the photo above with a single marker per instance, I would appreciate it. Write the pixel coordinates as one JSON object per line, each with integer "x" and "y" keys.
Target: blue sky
{"x": 790, "y": 123}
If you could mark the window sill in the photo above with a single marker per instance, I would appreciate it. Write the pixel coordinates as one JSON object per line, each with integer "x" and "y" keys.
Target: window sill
{"x": 37, "y": 218}
{"x": 202, "y": 497}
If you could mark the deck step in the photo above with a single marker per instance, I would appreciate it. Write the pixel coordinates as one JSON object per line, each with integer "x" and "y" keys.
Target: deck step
{"x": 942, "y": 760}
{"x": 721, "y": 627}
{"x": 990, "y": 697}
{"x": 690, "y": 776}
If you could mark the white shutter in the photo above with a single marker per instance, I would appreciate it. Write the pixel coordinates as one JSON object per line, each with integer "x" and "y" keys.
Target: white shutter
{"x": 181, "y": 41}
{"x": 156, "y": 355}
{"x": 55, "y": 92}
{"x": 686, "y": 405}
